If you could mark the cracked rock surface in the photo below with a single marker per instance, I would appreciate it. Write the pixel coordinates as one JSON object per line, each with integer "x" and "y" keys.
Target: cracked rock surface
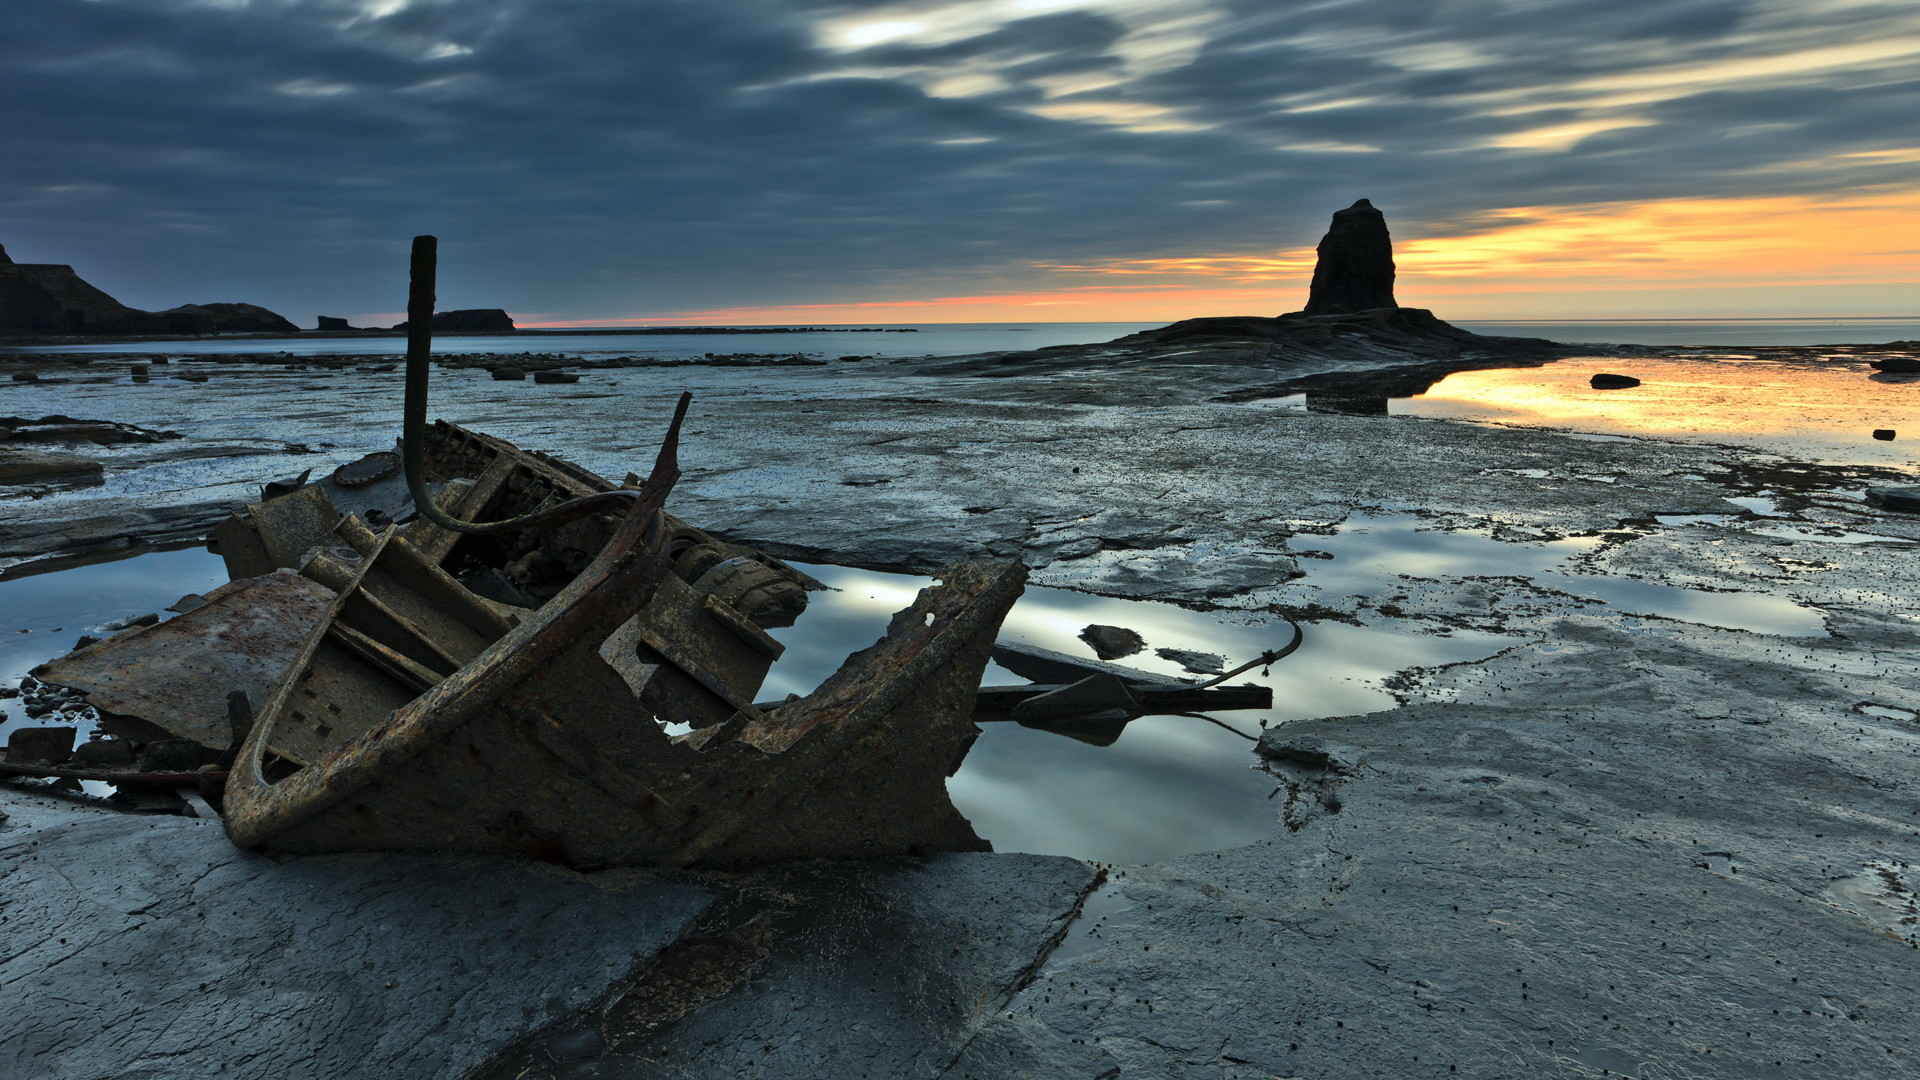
{"x": 148, "y": 947}
{"x": 1676, "y": 865}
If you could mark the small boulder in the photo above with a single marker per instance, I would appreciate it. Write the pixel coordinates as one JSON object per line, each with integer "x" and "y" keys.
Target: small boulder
{"x": 103, "y": 754}
{"x": 46, "y": 745}
{"x": 507, "y": 374}
{"x": 1883, "y": 434}
{"x": 555, "y": 377}
{"x": 1112, "y": 642}
{"x": 175, "y": 755}
{"x": 1903, "y": 500}
{"x": 1899, "y": 365}
{"x": 1605, "y": 381}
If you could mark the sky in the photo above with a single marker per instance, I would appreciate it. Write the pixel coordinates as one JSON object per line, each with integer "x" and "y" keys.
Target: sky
{"x": 654, "y": 162}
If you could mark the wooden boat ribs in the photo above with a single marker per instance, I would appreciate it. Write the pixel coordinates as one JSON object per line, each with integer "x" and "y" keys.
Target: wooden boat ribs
{"x": 422, "y": 715}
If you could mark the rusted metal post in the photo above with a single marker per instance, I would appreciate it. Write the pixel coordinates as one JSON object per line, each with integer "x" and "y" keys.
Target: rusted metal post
{"x": 420, "y": 284}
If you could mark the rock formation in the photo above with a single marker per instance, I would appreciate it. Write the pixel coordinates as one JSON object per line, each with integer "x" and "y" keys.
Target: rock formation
{"x": 329, "y": 322}
{"x": 470, "y": 321}
{"x": 50, "y": 298}
{"x": 225, "y": 319}
{"x": 1354, "y": 271}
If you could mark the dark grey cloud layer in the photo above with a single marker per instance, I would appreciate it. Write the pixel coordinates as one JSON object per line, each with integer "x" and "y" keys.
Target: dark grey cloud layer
{"x": 604, "y": 157}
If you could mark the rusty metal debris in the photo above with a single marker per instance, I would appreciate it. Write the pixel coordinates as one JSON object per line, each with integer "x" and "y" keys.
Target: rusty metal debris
{"x": 1094, "y": 701}
{"x": 422, "y": 716}
{"x": 176, "y": 675}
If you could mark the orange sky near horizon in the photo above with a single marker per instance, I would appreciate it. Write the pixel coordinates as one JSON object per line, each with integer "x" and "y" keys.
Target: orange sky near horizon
{"x": 1776, "y": 255}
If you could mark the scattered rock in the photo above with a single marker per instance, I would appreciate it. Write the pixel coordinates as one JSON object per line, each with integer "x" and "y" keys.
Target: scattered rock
{"x": 1199, "y": 663}
{"x": 555, "y": 377}
{"x": 1354, "y": 271}
{"x": 48, "y": 745}
{"x": 175, "y": 755}
{"x": 1904, "y": 500}
{"x": 1883, "y": 434}
{"x": 32, "y": 466}
{"x": 18, "y": 430}
{"x": 1112, "y": 642}
{"x": 1605, "y": 381}
{"x": 103, "y": 754}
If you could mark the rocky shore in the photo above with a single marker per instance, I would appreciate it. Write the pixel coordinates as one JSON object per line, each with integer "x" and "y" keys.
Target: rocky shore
{"x": 1630, "y": 842}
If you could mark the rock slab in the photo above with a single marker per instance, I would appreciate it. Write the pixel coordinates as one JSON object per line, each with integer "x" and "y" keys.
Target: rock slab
{"x": 151, "y": 948}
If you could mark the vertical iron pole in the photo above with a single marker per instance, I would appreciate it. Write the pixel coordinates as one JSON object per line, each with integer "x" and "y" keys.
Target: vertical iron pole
{"x": 420, "y": 283}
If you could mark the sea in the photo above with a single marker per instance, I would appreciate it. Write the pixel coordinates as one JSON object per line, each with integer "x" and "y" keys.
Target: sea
{"x": 955, "y": 339}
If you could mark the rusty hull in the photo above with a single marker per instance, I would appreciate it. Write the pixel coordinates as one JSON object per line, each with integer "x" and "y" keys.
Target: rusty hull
{"x": 421, "y": 717}
{"x": 177, "y": 674}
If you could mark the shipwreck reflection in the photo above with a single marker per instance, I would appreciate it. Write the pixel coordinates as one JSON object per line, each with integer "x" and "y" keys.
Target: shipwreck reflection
{"x": 1137, "y": 790}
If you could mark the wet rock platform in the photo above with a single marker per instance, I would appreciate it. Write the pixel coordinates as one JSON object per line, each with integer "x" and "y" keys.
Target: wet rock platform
{"x": 1630, "y": 844}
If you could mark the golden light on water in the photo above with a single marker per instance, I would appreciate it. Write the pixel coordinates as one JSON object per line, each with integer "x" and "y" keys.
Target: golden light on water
{"x": 1832, "y": 407}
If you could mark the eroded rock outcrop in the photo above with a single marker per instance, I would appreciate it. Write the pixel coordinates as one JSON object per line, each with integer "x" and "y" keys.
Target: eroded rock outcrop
{"x": 331, "y": 322}
{"x": 51, "y": 298}
{"x": 1355, "y": 267}
{"x": 470, "y": 321}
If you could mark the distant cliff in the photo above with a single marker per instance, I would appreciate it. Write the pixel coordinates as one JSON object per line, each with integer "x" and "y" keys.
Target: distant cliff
{"x": 470, "y": 321}
{"x": 50, "y": 298}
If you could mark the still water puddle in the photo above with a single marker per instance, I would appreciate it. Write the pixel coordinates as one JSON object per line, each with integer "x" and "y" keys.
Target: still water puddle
{"x": 1166, "y": 786}
{"x": 1169, "y": 785}
{"x": 1370, "y": 549}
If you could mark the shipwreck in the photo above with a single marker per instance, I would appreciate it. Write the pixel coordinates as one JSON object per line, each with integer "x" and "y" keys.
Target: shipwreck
{"x": 461, "y": 645}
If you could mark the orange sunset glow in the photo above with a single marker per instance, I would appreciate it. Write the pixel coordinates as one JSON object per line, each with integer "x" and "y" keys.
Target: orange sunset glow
{"x": 1676, "y": 257}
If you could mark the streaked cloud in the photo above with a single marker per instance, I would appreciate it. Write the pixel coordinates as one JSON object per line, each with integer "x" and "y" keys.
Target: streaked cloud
{"x": 652, "y": 158}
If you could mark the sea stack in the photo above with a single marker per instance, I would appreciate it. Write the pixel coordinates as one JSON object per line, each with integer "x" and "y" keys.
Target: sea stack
{"x": 1355, "y": 268}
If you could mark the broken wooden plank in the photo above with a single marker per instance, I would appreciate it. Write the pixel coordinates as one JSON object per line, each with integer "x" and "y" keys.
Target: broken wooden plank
{"x": 1030, "y": 661}
{"x": 996, "y": 702}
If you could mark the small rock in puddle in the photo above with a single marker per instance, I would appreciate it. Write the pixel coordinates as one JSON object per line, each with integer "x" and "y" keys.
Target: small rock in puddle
{"x": 1112, "y": 642}
{"x": 1199, "y": 663}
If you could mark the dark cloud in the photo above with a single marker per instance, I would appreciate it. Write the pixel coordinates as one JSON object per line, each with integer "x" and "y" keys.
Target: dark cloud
{"x": 594, "y": 157}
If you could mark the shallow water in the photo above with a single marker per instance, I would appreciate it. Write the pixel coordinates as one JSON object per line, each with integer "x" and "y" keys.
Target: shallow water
{"x": 1784, "y": 331}
{"x": 1816, "y": 410}
{"x": 1167, "y": 786}
{"x": 1370, "y": 549}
